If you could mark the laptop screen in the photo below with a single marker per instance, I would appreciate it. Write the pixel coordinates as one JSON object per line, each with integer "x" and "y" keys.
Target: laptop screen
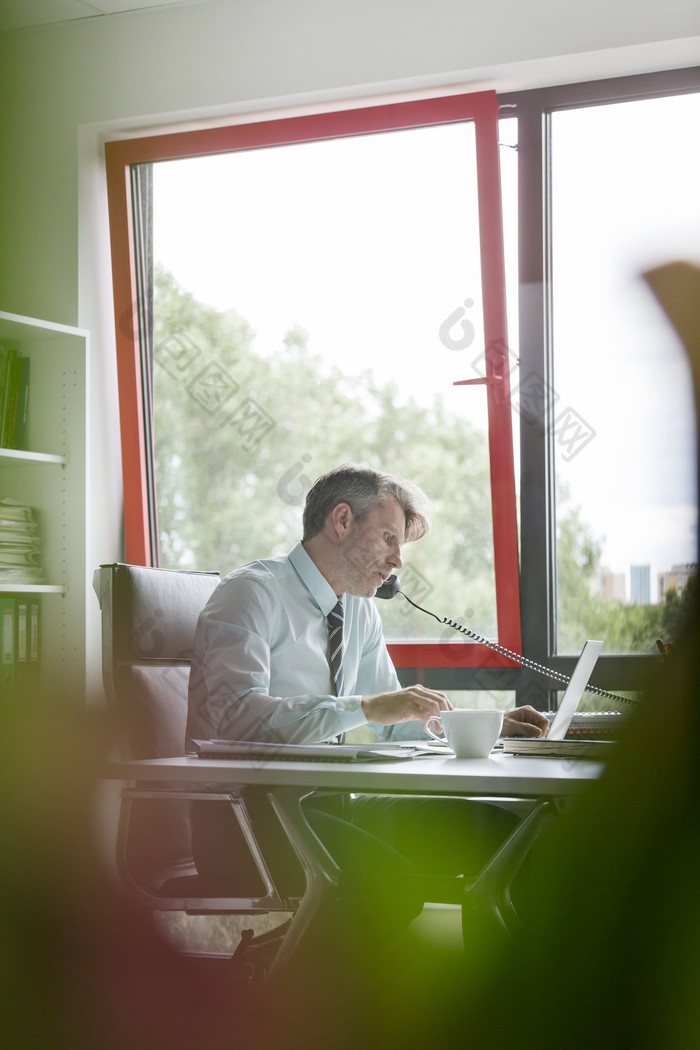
{"x": 574, "y": 690}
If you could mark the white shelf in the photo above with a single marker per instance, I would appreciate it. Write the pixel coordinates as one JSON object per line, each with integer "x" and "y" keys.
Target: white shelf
{"x": 32, "y": 588}
{"x": 16, "y": 457}
{"x": 50, "y": 476}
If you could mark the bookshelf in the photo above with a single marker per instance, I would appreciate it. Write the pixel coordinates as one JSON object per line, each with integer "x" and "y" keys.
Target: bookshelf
{"x": 51, "y": 477}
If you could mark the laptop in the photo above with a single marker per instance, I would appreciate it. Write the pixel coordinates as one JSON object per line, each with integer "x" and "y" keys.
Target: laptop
{"x": 551, "y": 743}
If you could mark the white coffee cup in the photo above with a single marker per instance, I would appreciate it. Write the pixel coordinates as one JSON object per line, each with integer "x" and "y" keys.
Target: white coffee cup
{"x": 470, "y": 733}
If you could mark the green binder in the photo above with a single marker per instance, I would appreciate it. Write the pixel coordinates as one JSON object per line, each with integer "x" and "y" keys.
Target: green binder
{"x": 7, "y": 647}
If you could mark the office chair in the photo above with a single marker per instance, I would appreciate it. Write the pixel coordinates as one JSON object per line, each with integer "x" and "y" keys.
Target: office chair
{"x": 149, "y": 618}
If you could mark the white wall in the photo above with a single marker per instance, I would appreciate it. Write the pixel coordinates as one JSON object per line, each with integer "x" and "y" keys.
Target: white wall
{"x": 66, "y": 87}
{"x": 229, "y": 55}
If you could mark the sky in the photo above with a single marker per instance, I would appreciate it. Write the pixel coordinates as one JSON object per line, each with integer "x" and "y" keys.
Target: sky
{"x": 619, "y": 364}
{"x": 371, "y": 246}
{"x": 324, "y": 236}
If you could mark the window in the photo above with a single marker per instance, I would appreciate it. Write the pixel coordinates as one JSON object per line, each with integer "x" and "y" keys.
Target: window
{"x": 607, "y": 174}
{"x": 582, "y": 359}
{"x": 624, "y": 198}
{"x": 319, "y": 285}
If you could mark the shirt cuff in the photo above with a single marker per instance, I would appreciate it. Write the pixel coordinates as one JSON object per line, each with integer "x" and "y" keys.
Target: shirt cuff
{"x": 350, "y": 713}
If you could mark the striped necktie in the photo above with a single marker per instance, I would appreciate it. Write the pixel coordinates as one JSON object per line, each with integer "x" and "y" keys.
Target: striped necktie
{"x": 335, "y": 645}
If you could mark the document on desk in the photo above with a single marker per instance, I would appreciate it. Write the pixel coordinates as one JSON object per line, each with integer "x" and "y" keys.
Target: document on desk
{"x": 544, "y": 748}
{"x": 260, "y": 751}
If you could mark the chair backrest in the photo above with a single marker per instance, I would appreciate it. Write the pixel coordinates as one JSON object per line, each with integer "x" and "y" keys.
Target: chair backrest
{"x": 149, "y": 618}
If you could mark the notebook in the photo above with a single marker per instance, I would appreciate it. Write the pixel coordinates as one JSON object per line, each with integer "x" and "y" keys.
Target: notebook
{"x": 554, "y": 743}
{"x": 258, "y": 751}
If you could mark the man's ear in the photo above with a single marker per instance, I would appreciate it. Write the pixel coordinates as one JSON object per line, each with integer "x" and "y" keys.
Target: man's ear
{"x": 340, "y": 519}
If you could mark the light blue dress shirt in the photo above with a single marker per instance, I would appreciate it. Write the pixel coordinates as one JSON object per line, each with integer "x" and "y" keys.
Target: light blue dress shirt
{"x": 260, "y": 666}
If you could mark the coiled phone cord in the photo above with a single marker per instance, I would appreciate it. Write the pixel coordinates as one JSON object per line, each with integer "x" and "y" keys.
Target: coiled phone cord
{"x": 524, "y": 660}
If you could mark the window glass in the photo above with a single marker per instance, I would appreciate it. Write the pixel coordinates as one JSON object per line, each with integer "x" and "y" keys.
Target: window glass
{"x": 315, "y": 304}
{"x": 624, "y": 199}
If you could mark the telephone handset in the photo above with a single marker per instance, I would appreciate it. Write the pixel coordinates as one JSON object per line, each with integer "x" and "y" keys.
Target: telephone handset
{"x": 392, "y": 587}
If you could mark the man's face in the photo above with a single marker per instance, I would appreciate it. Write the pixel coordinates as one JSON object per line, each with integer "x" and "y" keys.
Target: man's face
{"x": 371, "y": 551}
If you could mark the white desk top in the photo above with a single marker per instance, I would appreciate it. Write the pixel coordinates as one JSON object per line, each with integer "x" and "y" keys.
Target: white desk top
{"x": 498, "y": 775}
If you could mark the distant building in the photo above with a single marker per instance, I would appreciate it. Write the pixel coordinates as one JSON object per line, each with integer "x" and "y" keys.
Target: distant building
{"x": 640, "y": 584}
{"x": 676, "y": 579}
{"x": 612, "y": 586}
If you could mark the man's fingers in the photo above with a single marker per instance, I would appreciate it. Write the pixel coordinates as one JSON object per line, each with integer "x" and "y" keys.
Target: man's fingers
{"x": 525, "y": 721}
{"x": 430, "y": 699}
{"x": 412, "y": 702}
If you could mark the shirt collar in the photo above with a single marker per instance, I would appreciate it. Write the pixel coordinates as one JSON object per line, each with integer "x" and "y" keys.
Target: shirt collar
{"x": 313, "y": 579}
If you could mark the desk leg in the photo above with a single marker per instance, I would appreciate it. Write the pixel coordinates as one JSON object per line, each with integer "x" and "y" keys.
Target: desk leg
{"x": 489, "y": 894}
{"x": 321, "y": 872}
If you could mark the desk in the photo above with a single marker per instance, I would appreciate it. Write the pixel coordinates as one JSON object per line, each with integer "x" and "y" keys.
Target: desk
{"x": 496, "y": 776}
{"x": 549, "y": 781}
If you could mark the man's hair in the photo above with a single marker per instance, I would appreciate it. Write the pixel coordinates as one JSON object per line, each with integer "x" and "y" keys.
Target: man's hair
{"x": 363, "y": 489}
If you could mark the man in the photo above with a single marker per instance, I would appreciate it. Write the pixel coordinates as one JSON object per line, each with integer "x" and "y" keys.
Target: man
{"x": 261, "y": 671}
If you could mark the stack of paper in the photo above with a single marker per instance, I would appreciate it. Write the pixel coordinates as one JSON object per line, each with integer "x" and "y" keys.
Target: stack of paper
{"x": 581, "y": 748}
{"x": 598, "y": 725}
{"x": 20, "y": 544}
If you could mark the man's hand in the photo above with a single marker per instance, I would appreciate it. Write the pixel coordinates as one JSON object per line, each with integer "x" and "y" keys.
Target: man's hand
{"x": 524, "y": 721}
{"x": 415, "y": 702}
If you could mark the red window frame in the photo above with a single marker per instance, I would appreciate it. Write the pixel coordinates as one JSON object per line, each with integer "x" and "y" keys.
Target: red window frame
{"x": 482, "y": 109}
